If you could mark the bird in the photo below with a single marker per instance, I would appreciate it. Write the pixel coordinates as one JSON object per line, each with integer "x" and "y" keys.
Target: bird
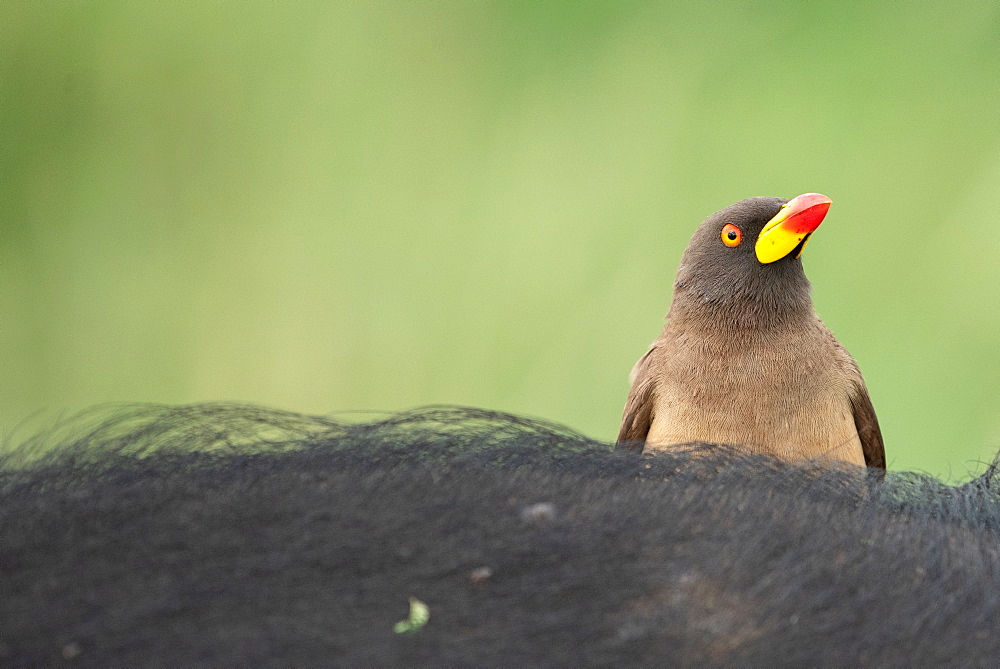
{"x": 743, "y": 359}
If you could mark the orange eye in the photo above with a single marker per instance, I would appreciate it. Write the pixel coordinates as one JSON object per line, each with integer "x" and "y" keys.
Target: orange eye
{"x": 731, "y": 235}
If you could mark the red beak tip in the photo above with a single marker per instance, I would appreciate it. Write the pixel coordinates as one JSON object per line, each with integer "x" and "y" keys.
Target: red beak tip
{"x": 807, "y": 211}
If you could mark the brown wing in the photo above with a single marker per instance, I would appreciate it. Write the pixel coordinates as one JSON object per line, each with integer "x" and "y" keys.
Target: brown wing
{"x": 638, "y": 414}
{"x": 868, "y": 430}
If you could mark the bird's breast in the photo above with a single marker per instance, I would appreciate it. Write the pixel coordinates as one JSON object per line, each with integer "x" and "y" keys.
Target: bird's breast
{"x": 782, "y": 394}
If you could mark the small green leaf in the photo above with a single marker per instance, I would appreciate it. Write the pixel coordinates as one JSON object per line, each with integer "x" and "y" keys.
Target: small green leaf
{"x": 419, "y": 615}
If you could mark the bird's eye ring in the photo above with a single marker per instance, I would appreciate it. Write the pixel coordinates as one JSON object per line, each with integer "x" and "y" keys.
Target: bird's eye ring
{"x": 731, "y": 235}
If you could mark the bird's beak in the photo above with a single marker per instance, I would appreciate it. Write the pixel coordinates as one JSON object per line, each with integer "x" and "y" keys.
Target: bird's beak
{"x": 792, "y": 226}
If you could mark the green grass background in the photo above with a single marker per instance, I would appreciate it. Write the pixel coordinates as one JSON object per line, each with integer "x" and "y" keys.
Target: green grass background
{"x": 330, "y": 206}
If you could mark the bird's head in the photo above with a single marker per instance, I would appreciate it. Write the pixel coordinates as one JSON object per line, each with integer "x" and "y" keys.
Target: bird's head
{"x": 745, "y": 258}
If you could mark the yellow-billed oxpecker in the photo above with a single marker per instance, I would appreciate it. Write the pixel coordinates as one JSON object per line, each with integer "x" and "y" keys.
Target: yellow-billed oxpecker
{"x": 743, "y": 359}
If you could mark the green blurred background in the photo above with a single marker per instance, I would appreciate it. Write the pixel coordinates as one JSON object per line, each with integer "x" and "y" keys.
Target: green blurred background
{"x": 332, "y": 206}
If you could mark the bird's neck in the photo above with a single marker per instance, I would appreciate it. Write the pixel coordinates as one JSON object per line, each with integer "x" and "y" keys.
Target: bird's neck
{"x": 691, "y": 311}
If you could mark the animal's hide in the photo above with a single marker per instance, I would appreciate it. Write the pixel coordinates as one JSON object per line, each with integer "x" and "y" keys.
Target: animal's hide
{"x": 237, "y": 535}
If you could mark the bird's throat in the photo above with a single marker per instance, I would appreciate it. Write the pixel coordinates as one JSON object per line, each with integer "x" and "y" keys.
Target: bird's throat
{"x": 760, "y": 311}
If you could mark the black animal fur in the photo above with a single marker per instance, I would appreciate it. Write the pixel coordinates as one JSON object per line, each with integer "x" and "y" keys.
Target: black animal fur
{"x": 233, "y": 535}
